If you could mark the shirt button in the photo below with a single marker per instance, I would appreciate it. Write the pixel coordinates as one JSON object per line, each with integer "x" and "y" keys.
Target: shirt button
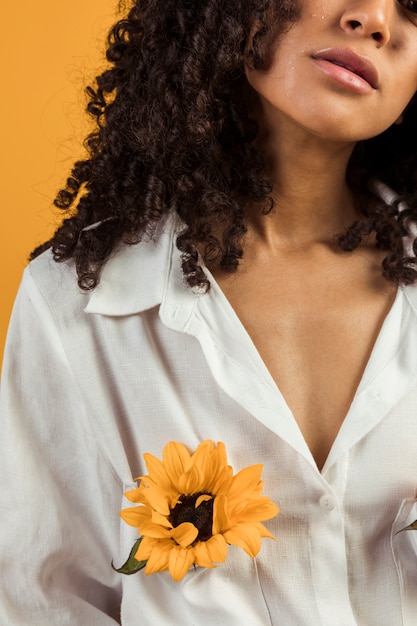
{"x": 327, "y": 503}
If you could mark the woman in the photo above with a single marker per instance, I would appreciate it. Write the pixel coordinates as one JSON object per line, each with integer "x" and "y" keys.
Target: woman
{"x": 245, "y": 275}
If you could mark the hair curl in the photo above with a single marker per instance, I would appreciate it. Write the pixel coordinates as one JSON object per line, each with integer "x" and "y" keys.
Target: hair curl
{"x": 173, "y": 133}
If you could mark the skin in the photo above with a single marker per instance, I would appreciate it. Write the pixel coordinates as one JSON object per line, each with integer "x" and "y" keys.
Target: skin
{"x": 312, "y": 311}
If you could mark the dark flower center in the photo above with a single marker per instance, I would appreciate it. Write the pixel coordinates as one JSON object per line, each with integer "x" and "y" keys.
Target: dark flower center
{"x": 201, "y": 517}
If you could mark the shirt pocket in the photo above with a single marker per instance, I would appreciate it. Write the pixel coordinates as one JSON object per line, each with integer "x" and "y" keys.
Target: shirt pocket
{"x": 128, "y": 534}
{"x": 404, "y": 548}
{"x": 228, "y": 595}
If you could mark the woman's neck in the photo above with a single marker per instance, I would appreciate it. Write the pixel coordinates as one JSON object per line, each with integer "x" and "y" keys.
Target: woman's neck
{"x": 312, "y": 199}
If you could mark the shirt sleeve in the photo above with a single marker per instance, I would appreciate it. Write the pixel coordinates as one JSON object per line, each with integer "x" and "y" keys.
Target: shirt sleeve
{"x": 59, "y": 499}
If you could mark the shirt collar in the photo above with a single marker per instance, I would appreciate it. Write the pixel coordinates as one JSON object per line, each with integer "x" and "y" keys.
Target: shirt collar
{"x": 138, "y": 277}
{"x": 134, "y": 277}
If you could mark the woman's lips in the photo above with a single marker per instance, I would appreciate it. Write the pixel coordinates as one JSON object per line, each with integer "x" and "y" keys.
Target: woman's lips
{"x": 348, "y": 68}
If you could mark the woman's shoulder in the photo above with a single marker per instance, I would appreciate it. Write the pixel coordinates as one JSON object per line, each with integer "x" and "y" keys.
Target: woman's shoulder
{"x": 55, "y": 282}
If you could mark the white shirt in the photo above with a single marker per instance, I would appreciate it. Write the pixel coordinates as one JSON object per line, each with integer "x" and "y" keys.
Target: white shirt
{"x": 91, "y": 381}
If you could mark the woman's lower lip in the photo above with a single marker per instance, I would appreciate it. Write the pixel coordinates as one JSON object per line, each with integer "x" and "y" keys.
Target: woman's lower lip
{"x": 344, "y": 77}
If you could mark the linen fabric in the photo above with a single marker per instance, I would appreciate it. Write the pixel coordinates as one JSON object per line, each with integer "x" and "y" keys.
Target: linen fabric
{"x": 93, "y": 380}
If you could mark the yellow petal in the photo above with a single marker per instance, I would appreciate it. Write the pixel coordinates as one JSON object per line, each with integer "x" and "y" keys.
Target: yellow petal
{"x": 244, "y": 483}
{"x": 157, "y": 498}
{"x": 221, "y": 451}
{"x": 257, "y": 510}
{"x": 203, "y": 498}
{"x": 217, "y": 548}
{"x": 184, "y": 534}
{"x": 191, "y": 481}
{"x": 180, "y": 561}
{"x": 148, "y": 529}
{"x": 174, "y": 500}
{"x": 202, "y": 451}
{"x": 201, "y": 555}
{"x": 135, "y": 516}
{"x": 220, "y": 516}
{"x": 135, "y": 495}
{"x": 218, "y": 460}
{"x": 162, "y": 520}
{"x": 222, "y": 482}
{"x": 145, "y": 549}
{"x": 245, "y": 536}
{"x": 203, "y": 458}
{"x": 158, "y": 559}
{"x": 146, "y": 481}
{"x": 264, "y": 532}
{"x": 157, "y": 471}
{"x": 176, "y": 459}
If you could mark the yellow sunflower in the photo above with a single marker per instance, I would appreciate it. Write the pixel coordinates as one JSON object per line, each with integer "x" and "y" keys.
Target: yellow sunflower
{"x": 192, "y": 507}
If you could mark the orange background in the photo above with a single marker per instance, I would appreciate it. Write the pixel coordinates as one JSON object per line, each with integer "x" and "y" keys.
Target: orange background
{"x": 49, "y": 51}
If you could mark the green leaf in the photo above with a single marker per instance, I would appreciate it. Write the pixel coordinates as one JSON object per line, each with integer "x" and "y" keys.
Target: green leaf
{"x": 412, "y": 526}
{"x": 132, "y": 565}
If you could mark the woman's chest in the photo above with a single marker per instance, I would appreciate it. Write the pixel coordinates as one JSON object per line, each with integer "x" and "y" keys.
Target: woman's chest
{"x": 316, "y": 345}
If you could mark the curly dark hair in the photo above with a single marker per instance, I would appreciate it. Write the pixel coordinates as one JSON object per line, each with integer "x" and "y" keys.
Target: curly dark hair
{"x": 173, "y": 133}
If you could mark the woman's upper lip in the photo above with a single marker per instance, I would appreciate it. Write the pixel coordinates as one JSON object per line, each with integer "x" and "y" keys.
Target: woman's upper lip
{"x": 353, "y": 62}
